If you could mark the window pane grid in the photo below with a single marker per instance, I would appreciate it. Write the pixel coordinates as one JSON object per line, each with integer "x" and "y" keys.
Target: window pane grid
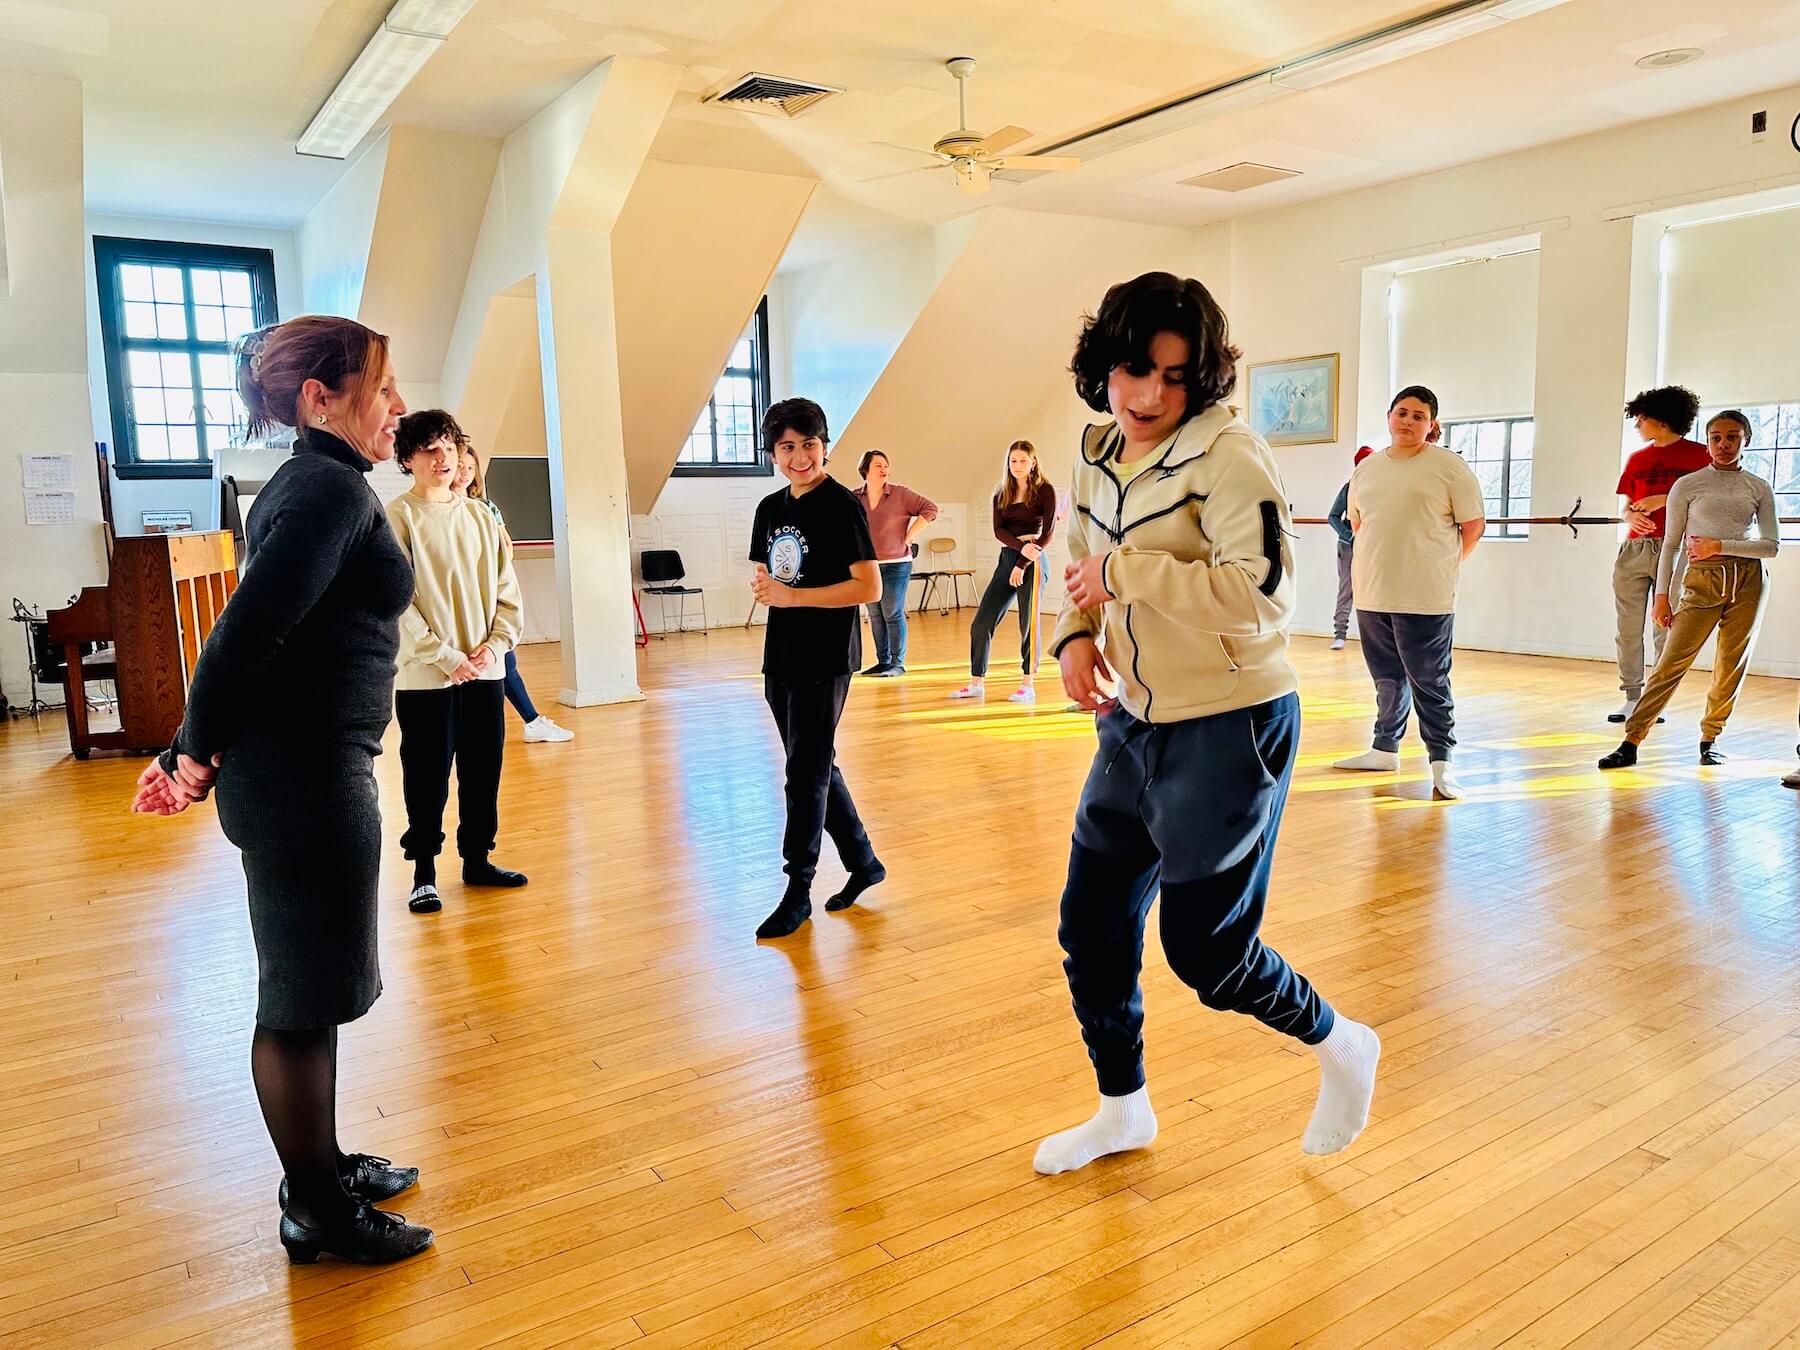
{"x": 1499, "y": 451}
{"x": 725, "y": 435}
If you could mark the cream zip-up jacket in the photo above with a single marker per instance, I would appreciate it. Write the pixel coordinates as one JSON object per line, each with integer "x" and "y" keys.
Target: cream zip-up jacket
{"x": 465, "y": 592}
{"x": 1199, "y": 562}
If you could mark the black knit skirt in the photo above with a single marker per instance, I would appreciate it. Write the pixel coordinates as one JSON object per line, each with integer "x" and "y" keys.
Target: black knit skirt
{"x": 308, "y": 824}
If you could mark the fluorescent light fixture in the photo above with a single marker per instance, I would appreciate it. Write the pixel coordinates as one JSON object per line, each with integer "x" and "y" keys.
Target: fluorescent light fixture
{"x": 409, "y": 36}
{"x": 1396, "y": 44}
{"x": 1366, "y": 53}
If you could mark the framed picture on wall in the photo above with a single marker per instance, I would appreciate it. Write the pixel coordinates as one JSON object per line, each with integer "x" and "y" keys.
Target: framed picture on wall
{"x": 1295, "y": 402}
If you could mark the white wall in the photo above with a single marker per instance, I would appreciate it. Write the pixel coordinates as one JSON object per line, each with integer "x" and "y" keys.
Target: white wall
{"x": 334, "y": 238}
{"x": 1298, "y": 288}
{"x": 132, "y": 497}
{"x": 43, "y": 354}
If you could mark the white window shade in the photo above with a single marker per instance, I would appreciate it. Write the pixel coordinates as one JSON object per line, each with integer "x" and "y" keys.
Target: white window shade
{"x": 1469, "y": 333}
{"x": 1733, "y": 320}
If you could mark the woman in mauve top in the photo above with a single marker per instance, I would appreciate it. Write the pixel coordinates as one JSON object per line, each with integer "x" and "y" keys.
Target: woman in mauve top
{"x": 897, "y": 515}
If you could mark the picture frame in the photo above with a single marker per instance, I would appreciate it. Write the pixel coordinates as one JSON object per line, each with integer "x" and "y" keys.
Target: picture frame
{"x": 1295, "y": 402}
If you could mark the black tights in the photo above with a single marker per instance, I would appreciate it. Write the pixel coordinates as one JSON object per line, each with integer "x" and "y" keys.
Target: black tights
{"x": 296, "y": 1083}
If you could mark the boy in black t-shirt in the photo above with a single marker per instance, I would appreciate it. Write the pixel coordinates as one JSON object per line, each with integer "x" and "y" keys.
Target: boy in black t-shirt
{"x": 815, "y": 564}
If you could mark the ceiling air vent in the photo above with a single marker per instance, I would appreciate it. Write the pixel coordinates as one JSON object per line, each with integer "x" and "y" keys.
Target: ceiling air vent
{"x": 1240, "y": 176}
{"x": 773, "y": 96}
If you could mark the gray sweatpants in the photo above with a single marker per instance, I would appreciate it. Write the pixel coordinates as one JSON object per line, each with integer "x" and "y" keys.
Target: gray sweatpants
{"x": 1340, "y": 621}
{"x": 1634, "y": 584}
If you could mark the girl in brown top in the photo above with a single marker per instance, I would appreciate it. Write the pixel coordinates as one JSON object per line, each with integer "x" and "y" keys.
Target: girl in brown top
{"x": 1024, "y": 519}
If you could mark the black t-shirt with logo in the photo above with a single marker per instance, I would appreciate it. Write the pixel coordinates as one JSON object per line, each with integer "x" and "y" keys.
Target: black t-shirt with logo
{"x": 807, "y": 542}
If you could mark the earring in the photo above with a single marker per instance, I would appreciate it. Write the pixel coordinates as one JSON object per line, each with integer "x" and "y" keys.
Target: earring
{"x": 321, "y": 419}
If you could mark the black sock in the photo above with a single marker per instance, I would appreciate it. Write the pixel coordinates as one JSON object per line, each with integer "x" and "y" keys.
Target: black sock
{"x": 858, "y": 882}
{"x": 795, "y": 909}
{"x": 424, "y": 872}
{"x": 1622, "y": 758}
{"x": 1708, "y": 755}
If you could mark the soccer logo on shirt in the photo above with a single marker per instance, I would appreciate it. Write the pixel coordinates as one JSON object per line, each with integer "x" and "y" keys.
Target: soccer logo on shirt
{"x": 787, "y": 554}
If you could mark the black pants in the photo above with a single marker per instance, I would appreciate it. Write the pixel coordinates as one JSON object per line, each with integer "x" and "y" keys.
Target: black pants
{"x": 465, "y": 725}
{"x": 999, "y": 594}
{"x": 818, "y": 802}
{"x": 1191, "y": 808}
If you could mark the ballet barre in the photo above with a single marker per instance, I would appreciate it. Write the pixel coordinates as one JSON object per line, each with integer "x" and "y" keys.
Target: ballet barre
{"x": 1574, "y": 520}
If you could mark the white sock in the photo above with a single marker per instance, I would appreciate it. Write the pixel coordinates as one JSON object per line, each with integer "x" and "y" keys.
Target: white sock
{"x": 1443, "y": 780}
{"x": 1347, "y": 1059}
{"x": 1121, "y": 1124}
{"x": 1375, "y": 761}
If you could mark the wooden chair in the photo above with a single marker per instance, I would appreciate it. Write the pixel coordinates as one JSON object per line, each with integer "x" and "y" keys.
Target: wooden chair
{"x": 943, "y": 552}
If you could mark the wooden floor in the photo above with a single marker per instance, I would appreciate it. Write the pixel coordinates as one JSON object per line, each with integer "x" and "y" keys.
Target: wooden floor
{"x": 639, "y": 1127}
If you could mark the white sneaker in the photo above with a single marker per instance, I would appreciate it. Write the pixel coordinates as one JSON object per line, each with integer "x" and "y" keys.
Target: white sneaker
{"x": 1372, "y": 761}
{"x": 1025, "y": 693}
{"x": 543, "y": 729}
{"x": 1443, "y": 782}
{"x": 1337, "y": 644}
{"x": 973, "y": 689}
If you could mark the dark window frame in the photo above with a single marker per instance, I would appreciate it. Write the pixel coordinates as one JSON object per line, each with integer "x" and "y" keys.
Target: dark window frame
{"x": 110, "y": 252}
{"x": 758, "y": 372}
{"x": 1509, "y": 502}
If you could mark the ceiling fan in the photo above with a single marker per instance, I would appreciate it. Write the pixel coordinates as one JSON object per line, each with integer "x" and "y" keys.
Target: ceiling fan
{"x": 971, "y": 156}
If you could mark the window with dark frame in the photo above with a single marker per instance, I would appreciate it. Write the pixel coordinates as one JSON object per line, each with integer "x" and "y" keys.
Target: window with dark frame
{"x": 726, "y": 440}
{"x": 1772, "y": 453}
{"x": 1499, "y": 450}
{"x": 170, "y": 314}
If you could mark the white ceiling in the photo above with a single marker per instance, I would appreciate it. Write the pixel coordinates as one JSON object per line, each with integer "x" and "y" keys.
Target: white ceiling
{"x": 193, "y": 105}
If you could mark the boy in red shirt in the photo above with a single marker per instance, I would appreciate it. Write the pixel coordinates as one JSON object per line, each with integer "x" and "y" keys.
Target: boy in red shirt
{"x": 1663, "y": 417}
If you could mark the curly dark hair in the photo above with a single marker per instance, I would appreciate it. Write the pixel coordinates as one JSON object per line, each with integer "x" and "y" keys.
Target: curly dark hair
{"x": 798, "y": 414}
{"x": 1673, "y": 406}
{"x": 421, "y": 429}
{"x": 1132, "y": 314}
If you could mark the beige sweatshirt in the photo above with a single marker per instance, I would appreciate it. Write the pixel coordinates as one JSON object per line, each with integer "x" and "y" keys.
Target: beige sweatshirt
{"x": 465, "y": 593}
{"x": 1199, "y": 563}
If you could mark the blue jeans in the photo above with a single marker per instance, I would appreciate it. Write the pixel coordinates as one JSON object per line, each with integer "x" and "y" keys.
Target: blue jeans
{"x": 516, "y": 692}
{"x": 1408, "y": 656}
{"x": 1191, "y": 808}
{"x": 887, "y": 616}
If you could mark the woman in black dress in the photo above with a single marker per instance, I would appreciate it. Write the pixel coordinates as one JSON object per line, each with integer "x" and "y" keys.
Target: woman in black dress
{"x": 285, "y": 717}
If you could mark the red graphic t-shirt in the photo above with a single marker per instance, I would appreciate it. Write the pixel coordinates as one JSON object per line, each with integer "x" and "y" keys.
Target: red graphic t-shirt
{"x": 1652, "y": 471}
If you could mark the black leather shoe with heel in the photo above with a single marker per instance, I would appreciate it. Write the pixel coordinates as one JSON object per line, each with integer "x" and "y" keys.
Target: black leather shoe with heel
{"x": 367, "y": 1179}
{"x": 372, "y": 1237}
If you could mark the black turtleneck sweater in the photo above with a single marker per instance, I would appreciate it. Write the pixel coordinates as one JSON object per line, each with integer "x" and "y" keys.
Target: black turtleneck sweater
{"x": 303, "y": 655}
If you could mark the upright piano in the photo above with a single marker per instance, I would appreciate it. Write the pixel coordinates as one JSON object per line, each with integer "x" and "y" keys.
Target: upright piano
{"x": 163, "y": 596}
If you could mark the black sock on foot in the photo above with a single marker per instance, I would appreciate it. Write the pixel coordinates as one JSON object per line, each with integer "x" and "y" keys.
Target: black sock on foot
{"x": 795, "y": 909}
{"x": 872, "y": 875}
{"x": 424, "y": 872}
{"x": 481, "y": 872}
{"x": 1622, "y": 758}
{"x": 1708, "y": 755}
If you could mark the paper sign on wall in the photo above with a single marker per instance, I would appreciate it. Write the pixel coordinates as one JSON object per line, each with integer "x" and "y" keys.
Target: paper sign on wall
{"x": 48, "y": 473}
{"x": 49, "y": 508}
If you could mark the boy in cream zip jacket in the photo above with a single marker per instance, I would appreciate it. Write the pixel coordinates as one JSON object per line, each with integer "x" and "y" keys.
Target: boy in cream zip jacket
{"x": 1179, "y": 537}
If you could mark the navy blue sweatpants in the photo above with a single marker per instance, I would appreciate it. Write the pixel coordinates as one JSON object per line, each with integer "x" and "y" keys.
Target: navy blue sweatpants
{"x": 1193, "y": 806}
{"x": 1408, "y": 656}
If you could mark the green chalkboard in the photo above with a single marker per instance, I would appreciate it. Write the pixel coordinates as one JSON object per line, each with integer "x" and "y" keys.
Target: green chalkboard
{"x": 520, "y": 487}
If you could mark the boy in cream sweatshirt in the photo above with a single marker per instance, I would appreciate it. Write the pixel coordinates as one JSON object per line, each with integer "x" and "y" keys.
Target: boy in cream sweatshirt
{"x": 1181, "y": 568}
{"x": 454, "y": 637}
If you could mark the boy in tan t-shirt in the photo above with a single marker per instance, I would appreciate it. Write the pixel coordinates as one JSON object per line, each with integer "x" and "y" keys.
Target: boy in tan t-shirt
{"x": 1417, "y": 512}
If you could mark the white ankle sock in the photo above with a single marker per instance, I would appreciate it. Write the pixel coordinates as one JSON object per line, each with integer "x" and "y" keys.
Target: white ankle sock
{"x": 1121, "y": 1124}
{"x": 1347, "y": 1059}
{"x": 1443, "y": 780}
{"x": 1376, "y": 761}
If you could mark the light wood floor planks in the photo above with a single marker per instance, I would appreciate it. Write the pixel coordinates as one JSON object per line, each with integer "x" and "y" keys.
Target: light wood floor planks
{"x": 637, "y": 1127}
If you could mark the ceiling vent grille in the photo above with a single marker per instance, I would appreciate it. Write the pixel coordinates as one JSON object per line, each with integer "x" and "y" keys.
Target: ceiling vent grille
{"x": 773, "y": 96}
{"x": 1240, "y": 177}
